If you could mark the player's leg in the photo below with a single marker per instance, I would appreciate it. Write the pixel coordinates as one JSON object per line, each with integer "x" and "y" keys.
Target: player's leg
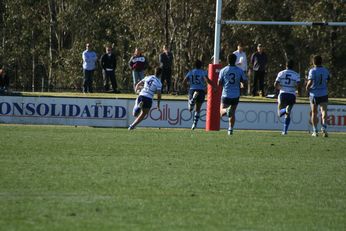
{"x": 281, "y": 106}
{"x": 191, "y": 102}
{"x": 223, "y": 109}
{"x": 225, "y": 104}
{"x": 199, "y": 99}
{"x": 288, "y": 100}
{"x": 139, "y": 119}
{"x": 196, "y": 115}
{"x": 323, "y": 108}
{"x": 137, "y": 107}
{"x": 287, "y": 118}
{"x": 145, "y": 104}
{"x": 314, "y": 119}
{"x": 231, "y": 113}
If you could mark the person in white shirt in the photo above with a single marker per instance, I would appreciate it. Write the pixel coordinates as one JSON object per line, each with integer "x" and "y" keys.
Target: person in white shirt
{"x": 150, "y": 85}
{"x": 89, "y": 64}
{"x": 287, "y": 82}
{"x": 241, "y": 61}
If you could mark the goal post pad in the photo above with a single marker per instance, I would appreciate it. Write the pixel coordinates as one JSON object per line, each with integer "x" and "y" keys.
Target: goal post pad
{"x": 213, "y": 99}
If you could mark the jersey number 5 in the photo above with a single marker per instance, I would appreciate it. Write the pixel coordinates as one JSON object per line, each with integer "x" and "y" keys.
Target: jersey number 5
{"x": 288, "y": 79}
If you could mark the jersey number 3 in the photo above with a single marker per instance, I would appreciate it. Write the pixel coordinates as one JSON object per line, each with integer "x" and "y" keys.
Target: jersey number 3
{"x": 231, "y": 78}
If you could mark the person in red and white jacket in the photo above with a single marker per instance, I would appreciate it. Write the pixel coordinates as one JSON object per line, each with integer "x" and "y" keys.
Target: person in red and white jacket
{"x": 138, "y": 63}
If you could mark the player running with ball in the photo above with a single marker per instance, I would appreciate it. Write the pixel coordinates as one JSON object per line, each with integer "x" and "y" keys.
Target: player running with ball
{"x": 151, "y": 85}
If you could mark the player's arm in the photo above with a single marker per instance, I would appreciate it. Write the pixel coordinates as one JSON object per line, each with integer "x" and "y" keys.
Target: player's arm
{"x": 210, "y": 83}
{"x": 219, "y": 81}
{"x": 139, "y": 85}
{"x": 308, "y": 85}
{"x": 277, "y": 85}
{"x": 186, "y": 79}
{"x": 310, "y": 81}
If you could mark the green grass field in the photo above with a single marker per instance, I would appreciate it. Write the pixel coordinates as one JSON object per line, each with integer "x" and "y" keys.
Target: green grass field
{"x": 67, "y": 178}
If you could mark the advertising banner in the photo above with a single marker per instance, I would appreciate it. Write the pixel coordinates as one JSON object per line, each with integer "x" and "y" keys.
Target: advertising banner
{"x": 254, "y": 116}
{"x": 172, "y": 114}
{"x": 64, "y": 111}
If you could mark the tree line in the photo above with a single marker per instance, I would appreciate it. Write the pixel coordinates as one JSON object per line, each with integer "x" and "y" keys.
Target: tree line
{"x": 42, "y": 40}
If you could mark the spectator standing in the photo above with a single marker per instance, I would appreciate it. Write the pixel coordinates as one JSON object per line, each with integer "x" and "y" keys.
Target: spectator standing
{"x": 241, "y": 61}
{"x": 317, "y": 86}
{"x": 108, "y": 64}
{"x": 259, "y": 62}
{"x": 138, "y": 63}
{"x": 89, "y": 64}
{"x": 4, "y": 81}
{"x": 166, "y": 61}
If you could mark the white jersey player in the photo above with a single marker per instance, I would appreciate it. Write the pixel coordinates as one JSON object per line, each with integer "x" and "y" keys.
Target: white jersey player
{"x": 287, "y": 82}
{"x": 151, "y": 85}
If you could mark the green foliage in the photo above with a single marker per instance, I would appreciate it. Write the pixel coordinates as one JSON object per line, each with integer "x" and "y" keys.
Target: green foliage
{"x": 187, "y": 26}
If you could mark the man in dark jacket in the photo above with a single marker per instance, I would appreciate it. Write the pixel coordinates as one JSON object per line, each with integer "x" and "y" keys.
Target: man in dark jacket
{"x": 108, "y": 63}
{"x": 166, "y": 60}
{"x": 259, "y": 63}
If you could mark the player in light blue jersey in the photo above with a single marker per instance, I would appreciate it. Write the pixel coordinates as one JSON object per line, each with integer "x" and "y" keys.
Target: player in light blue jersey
{"x": 151, "y": 85}
{"x": 317, "y": 86}
{"x": 197, "y": 79}
{"x": 287, "y": 81}
{"x": 231, "y": 78}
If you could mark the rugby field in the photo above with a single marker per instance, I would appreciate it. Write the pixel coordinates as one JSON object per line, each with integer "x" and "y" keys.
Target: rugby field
{"x": 82, "y": 178}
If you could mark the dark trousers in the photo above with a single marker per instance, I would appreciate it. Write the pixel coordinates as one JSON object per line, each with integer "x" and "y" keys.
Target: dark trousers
{"x": 4, "y": 82}
{"x": 88, "y": 81}
{"x": 109, "y": 76}
{"x": 166, "y": 79}
{"x": 258, "y": 82}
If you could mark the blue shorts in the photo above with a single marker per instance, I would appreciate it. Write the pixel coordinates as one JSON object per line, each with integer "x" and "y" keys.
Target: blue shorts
{"x": 229, "y": 101}
{"x": 147, "y": 102}
{"x": 286, "y": 99}
{"x": 201, "y": 95}
{"x": 319, "y": 99}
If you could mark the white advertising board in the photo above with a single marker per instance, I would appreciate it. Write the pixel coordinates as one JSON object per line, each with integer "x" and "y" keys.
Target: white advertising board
{"x": 256, "y": 116}
{"x": 64, "y": 111}
{"x": 172, "y": 113}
